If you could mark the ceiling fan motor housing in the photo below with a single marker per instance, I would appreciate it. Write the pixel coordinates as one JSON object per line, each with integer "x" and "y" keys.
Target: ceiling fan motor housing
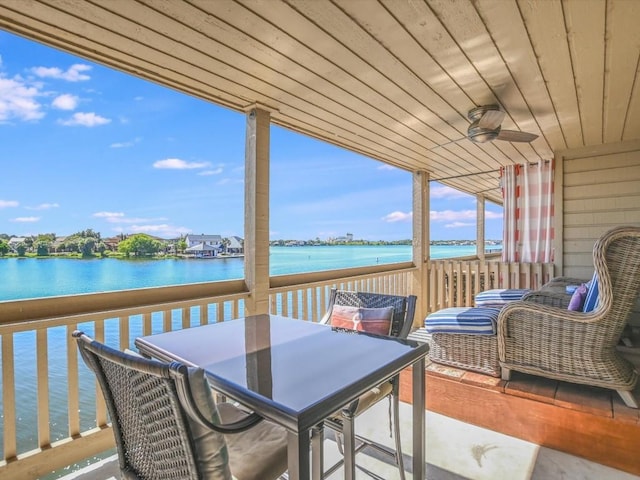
{"x": 479, "y": 134}
{"x": 475, "y": 114}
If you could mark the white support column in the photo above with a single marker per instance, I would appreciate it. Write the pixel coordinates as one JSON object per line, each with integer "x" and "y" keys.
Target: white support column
{"x": 256, "y": 215}
{"x": 421, "y": 250}
{"x": 480, "y": 230}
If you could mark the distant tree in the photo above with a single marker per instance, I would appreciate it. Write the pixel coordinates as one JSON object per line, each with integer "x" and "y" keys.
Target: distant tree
{"x": 86, "y": 246}
{"x": 225, "y": 244}
{"x": 139, "y": 244}
{"x": 28, "y": 242}
{"x": 70, "y": 245}
{"x": 100, "y": 247}
{"x": 22, "y": 249}
{"x": 42, "y": 248}
{"x": 46, "y": 237}
{"x": 182, "y": 244}
{"x": 4, "y": 248}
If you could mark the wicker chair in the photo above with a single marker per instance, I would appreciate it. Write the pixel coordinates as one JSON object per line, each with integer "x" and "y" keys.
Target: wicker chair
{"x": 167, "y": 425}
{"x": 545, "y": 339}
{"x": 342, "y": 422}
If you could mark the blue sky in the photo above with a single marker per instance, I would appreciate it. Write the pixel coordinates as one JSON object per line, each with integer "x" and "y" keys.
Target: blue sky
{"x": 84, "y": 146}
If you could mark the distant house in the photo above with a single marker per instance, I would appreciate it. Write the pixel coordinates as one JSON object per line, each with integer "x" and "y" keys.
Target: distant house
{"x": 347, "y": 239}
{"x": 211, "y": 240}
{"x": 204, "y": 245}
{"x": 235, "y": 246}
{"x": 14, "y": 242}
{"x": 112, "y": 242}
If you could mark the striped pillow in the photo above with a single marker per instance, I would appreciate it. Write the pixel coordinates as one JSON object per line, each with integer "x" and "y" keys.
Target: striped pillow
{"x": 498, "y": 297}
{"x": 591, "y": 300}
{"x": 371, "y": 320}
{"x": 470, "y": 320}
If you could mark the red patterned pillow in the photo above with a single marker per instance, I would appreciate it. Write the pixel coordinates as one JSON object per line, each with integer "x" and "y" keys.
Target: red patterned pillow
{"x": 371, "y": 320}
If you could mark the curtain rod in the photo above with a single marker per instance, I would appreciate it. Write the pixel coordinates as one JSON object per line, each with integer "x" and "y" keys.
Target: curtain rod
{"x": 461, "y": 176}
{"x": 528, "y": 164}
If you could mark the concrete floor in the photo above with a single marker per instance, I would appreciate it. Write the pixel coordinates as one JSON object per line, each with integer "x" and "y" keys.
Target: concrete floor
{"x": 455, "y": 451}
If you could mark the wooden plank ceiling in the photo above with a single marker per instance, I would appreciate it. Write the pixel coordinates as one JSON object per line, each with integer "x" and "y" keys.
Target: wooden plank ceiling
{"x": 392, "y": 79}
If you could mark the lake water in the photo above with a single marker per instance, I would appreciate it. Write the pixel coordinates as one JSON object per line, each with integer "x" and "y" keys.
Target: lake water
{"x": 22, "y": 278}
{"x": 43, "y": 277}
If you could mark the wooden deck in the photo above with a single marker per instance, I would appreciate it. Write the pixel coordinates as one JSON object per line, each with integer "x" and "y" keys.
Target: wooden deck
{"x": 588, "y": 422}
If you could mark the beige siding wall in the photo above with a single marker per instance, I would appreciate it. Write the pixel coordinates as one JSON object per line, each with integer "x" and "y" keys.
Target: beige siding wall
{"x": 600, "y": 189}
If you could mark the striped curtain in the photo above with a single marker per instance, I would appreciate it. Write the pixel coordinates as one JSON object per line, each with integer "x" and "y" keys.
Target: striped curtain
{"x": 527, "y": 191}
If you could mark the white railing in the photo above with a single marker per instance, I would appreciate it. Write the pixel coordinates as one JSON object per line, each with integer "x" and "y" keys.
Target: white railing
{"x": 305, "y": 296}
{"x": 52, "y": 413}
{"x": 455, "y": 282}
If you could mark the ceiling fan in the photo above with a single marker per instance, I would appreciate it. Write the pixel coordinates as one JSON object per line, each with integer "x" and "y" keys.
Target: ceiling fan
{"x": 485, "y": 126}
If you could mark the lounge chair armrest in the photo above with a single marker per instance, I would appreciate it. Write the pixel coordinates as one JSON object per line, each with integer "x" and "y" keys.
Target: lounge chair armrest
{"x": 558, "y": 300}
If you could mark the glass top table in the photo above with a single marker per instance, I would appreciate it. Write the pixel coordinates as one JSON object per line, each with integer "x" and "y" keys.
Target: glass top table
{"x": 295, "y": 373}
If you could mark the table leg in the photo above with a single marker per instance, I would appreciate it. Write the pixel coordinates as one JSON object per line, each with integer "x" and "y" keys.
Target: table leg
{"x": 348, "y": 436}
{"x": 298, "y": 452}
{"x": 418, "y": 420}
{"x": 317, "y": 452}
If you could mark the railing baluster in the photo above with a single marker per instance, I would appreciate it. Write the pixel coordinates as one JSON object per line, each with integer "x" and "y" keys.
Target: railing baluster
{"x": 8, "y": 396}
{"x": 101, "y": 406}
{"x": 44, "y": 435}
{"x": 468, "y": 284}
{"x": 73, "y": 389}
{"x": 203, "y": 313}
{"x": 166, "y": 321}
{"x": 295, "y": 298}
{"x": 305, "y": 305}
{"x": 234, "y": 309}
{"x": 186, "y": 317}
{"x": 147, "y": 327}
{"x": 124, "y": 331}
{"x": 285, "y": 303}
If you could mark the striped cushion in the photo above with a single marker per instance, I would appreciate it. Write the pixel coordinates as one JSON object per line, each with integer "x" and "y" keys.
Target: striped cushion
{"x": 499, "y": 297}
{"x": 591, "y": 300}
{"x": 470, "y": 320}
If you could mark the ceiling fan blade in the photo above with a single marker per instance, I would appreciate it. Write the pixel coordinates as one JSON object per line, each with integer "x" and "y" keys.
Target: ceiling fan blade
{"x": 515, "y": 136}
{"x": 491, "y": 119}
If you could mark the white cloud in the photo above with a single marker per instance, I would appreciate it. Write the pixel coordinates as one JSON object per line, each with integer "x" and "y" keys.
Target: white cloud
{"x": 177, "y": 164}
{"x": 18, "y": 100}
{"x": 121, "y": 218}
{"x": 398, "y": 217}
{"x": 26, "y": 219}
{"x": 492, "y": 215}
{"x": 43, "y": 206}
{"x": 217, "y": 171}
{"x": 386, "y": 166}
{"x": 65, "y": 102}
{"x": 89, "y": 119}
{"x": 447, "y": 192}
{"x": 72, "y": 74}
{"x": 458, "y": 225}
{"x": 161, "y": 230}
{"x": 8, "y": 203}
{"x": 137, "y": 220}
{"x": 452, "y": 215}
{"x": 130, "y": 143}
{"x": 108, "y": 215}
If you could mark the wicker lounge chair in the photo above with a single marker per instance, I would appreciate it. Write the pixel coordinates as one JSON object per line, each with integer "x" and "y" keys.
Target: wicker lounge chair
{"x": 539, "y": 338}
{"x": 167, "y": 425}
{"x": 342, "y": 422}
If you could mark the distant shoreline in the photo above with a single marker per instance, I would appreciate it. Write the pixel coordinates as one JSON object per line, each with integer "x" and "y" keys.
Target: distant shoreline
{"x": 489, "y": 248}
